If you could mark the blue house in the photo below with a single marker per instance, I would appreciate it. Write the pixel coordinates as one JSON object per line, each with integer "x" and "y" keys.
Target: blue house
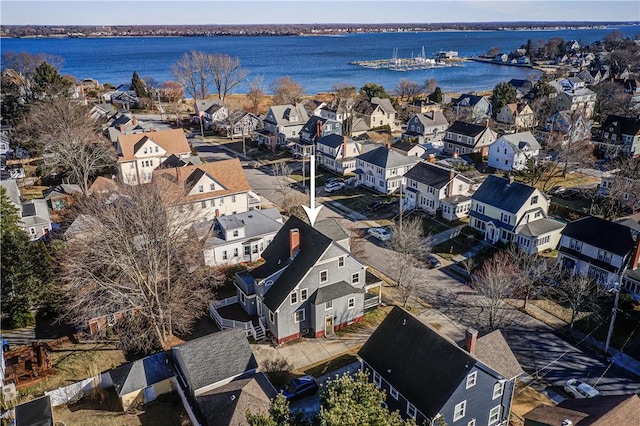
{"x": 427, "y": 376}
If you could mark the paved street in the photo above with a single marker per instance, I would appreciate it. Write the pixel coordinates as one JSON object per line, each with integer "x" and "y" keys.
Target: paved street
{"x": 541, "y": 350}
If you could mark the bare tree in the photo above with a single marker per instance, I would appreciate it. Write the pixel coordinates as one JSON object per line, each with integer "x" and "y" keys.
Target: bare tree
{"x": 66, "y": 132}
{"x": 172, "y": 93}
{"x": 580, "y": 293}
{"x": 139, "y": 262}
{"x": 345, "y": 96}
{"x": 533, "y": 272}
{"x": 430, "y": 85}
{"x": 620, "y": 189}
{"x": 193, "y": 71}
{"x": 291, "y": 200}
{"x": 287, "y": 91}
{"x": 357, "y": 239}
{"x": 256, "y": 92}
{"x": 494, "y": 283}
{"x": 409, "y": 248}
{"x": 226, "y": 72}
{"x": 407, "y": 89}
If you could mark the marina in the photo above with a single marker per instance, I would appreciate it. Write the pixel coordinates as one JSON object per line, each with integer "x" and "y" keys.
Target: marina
{"x": 421, "y": 62}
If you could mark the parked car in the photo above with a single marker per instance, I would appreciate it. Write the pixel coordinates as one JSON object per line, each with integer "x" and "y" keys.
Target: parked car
{"x": 556, "y": 190}
{"x": 253, "y": 164}
{"x": 433, "y": 261}
{"x": 376, "y": 205}
{"x": 334, "y": 179}
{"x": 333, "y": 186}
{"x": 569, "y": 193}
{"x": 300, "y": 387}
{"x": 382, "y": 234}
{"x": 577, "y": 389}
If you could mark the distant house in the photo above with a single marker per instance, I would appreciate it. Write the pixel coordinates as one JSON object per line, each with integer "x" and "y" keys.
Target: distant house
{"x": 102, "y": 185}
{"x": 338, "y": 153}
{"x": 427, "y": 185}
{"x": 465, "y": 138}
{"x": 238, "y": 238}
{"x": 427, "y": 127}
{"x": 213, "y": 360}
{"x": 238, "y": 124}
{"x": 428, "y": 377}
{"x": 382, "y": 169}
{"x": 282, "y": 122}
{"x": 520, "y": 116}
{"x": 569, "y": 126}
{"x": 509, "y": 211}
{"x": 377, "y": 112}
{"x": 622, "y": 186}
{"x": 61, "y": 196}
{"x": 601, "y": 411}
{"x": 409, "y": 149}
{"x": 141, "y": 381}
{"x": 209, "y": 190}
{"x": 472, "y": 107}
{"x": 618, "y": 135}
{"x": 602, "y": 255}
{"x": 421, "y": 106}
{"x": 140, "y": 153}
{"x": 309, "y": 285}
{"x": 512, "y": 151}
{"x": 34, "y": 214}
{"x": 577, "y": 99}
{"x": 210, "y": 110}
{"x": 313, "y": 130}
{"x": 523, "y": 87}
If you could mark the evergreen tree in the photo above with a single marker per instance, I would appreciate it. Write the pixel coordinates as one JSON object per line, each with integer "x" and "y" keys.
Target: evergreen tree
{"x": 503, "y": 94}
{"x": 372, "y": 90}
{"x": 25, "y": 267}
{"x": 436, "y": 96}
{"x": 138, "y": 85}
{"x": 48, "y": 82}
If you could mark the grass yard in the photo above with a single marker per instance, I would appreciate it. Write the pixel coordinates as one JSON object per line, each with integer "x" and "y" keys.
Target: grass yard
{"x": 75, "y": 362}
{"x": 371, "y": 320}
{"x": 331, "y": 365}
{"x": 457, "y": 245}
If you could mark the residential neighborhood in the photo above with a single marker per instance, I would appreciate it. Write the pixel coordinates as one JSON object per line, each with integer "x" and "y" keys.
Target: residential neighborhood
{"x": 193, "y": 255}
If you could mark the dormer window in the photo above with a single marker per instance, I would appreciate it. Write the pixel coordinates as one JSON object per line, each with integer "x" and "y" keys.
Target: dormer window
{"x": 235, "y": 233}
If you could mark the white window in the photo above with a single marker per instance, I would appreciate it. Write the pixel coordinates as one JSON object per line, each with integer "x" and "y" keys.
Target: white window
{"x": 575, "y": 245}
{"x": 411, "y": 410}
{"x": 393, "y": 392}
{"x": 203, "y": 204}
{"x": 221, "y": 201}
{"x": 328, "y": 305}
{"x": 377, "y": 379}
{"x": 236, "y": 233}
{"x": 494, "y": 415}
{"x": 480, "y": 208}
{"x": 504, "y": 217}
{"x": 242, "y": 298}
{"x": 324, "y": 276}
{"x": 272, "y": 317}
{"x": 471, "y": 379}
{"x": 459, "y": 410}
{"x": 293, "y": 297}
{"x": 200, "y": 188}
{"x": 472, "y": 422}
{"x": 340, "y": 261}
{"x": 233, "y": 198}
{"x": 235, "y": 252}
{"x": 299, "y": 316}
{"x": 212, "y": 186}
{"x": 498, "y": 389}
{"x": 351, "y": 303}
{"x": 534, "y": 200}
{"x": 355, "y": 278}
{"x": 303, "y": 294}
{"x": 32, "y": 231}
{"x": 224, "y": 255}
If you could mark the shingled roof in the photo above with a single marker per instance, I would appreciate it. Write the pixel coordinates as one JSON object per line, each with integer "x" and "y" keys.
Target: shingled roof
{"x": 505, "y": 195}
{"x": 426, "y": 358}
{"x": 141, "y": 374}
{"x": 610, "y": 236}
{"x": 387, "y": 158}
{"x": 431, "y": 174}
{"x": 173, "y": 141}
{"x": 467, "y": 129}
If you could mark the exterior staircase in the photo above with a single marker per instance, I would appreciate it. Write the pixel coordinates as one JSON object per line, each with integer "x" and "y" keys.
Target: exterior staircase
{"x": 259, "y": 332}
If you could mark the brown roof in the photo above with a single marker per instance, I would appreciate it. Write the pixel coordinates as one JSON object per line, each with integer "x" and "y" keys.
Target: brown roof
{"x": 227, "y": 173}
{"x": 552, "y": 416}
{"x": 102, "y": 185}
{"x": 173, "y": 141}
{"x": 600, "y": 411}
{"x": 494, "y": 351}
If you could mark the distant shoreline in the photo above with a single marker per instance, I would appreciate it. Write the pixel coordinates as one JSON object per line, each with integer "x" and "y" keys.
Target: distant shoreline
{"x": 306, "y": 30}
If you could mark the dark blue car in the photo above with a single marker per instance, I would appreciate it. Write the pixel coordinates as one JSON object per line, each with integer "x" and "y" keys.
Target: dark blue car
{"x": 300, "y": 387}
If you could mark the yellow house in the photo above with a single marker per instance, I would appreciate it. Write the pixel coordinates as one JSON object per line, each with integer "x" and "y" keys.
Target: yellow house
{"x": 141, "y": 381}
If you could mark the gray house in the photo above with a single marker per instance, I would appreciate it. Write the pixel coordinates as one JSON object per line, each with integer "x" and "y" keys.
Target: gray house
{"x": 310, "y": 284}
{"x": 428, "y": 127}
{"x": 34, "y": 214}
{"x": 431, "y": 377}
{"x": 382, "y": 169}
{"x": 282, "y": 123}
{"x": 472, "y": 107}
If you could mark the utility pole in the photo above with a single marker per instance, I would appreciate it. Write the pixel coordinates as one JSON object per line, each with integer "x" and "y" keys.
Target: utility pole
{"x": 616, "y": 287}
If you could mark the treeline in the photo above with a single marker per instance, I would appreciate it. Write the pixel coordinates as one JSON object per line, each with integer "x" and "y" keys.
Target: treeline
{"x": 282, "y": 29}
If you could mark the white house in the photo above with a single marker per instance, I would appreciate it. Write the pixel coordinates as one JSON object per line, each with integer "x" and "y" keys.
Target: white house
{"x": 283, "y": 122}
{"x": 34, "y": 214}
{"x": 508, "y": 211}
{"x": 512, "y": 151}
{"x": 140, "y": 153}
{"x": 238, "y": 238}
{"x": 382, "y": 169}
{"x": 426, "y": 184}
{"x": 338, "y": 153}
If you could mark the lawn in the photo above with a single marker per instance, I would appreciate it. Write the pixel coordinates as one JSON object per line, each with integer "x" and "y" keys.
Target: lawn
{"x": 331, "y": 365}
{"x": 457, "y": 245}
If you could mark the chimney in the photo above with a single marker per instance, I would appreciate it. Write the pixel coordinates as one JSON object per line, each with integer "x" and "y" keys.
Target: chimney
{"x": 452, "y": 174}
{"x": 319, "y": 129}
{"x": 470, "y": 338}
{"x": 635, "y": 260}
{"x": 294, "y": 242}
{"x": 122, "y": 128}
{"x": 344, "y": 147}
{"x": 217, "y": 213}
{"x": 178, "y": 174}
{"x": 135, "y": 121}
{"x": 510, "y": 179}
{"x": 487, "y": 123}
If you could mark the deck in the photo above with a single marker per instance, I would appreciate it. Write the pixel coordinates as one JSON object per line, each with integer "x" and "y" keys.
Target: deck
{"x": 235, "y": 312}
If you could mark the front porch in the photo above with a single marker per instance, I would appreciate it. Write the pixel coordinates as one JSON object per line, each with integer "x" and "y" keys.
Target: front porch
{"x": 373, "y": 292}
{"x": 229, "y": 313}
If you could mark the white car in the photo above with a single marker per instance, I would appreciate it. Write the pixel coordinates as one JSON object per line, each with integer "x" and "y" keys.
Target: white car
{"x": 578, "y": 389}
{"x": 381, "y": 234}
{"x": 333, "y": 186}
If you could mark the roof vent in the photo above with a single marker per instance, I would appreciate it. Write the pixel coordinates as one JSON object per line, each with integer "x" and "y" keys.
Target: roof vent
{"x": 567, "y": 422}
{"x": 233, "y": 397}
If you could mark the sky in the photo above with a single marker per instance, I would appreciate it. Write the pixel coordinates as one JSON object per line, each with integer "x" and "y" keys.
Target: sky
{"x": 152, "y": 12}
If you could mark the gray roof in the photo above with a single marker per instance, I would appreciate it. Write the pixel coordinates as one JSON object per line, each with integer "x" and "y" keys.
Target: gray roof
{"x": 332, "y": 229}
{"x": 37, "y": 412}
{"x": 433, "y": 118}
{"x": 332, "y": 292}
{"x": 540, "y": 227}
{"x": 140, "y": 374}
{"x": 255, "y": 222}
{"x": 387, "y": 158}
{"x": 216, "y": 357}
{"x": 60, "y": 190}
{"x": 35, "y": 212}
{"x": 456, "y": 199}
{"x": 498, "y": 192}
{"x": 228, "y": 404}
{"x": 333, "y": 140}
{"x": 284, "y": 114}
{"x": 12, "y": 191}
{"x": 431, "y": 174}
{"x": 492, "y": 349}
{"x": 385, "y": 105}
{"x": 520, "y": 140}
